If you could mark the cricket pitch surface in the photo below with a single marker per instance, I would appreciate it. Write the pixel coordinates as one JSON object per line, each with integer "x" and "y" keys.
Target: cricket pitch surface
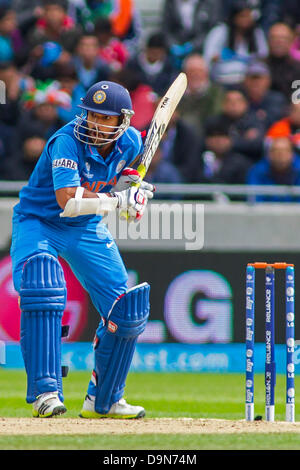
{"x": 69, "y": 426}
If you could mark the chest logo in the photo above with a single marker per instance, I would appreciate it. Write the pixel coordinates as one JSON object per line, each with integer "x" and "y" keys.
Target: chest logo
{"x": 87, "y": 173}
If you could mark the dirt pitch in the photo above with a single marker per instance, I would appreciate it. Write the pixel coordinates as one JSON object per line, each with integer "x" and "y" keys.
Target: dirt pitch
{"x": 38, "y": 426}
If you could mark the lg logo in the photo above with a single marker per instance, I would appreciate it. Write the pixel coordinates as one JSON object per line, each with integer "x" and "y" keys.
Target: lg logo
{"x": 296, "y": 93}
{"x": 197, "y": 309}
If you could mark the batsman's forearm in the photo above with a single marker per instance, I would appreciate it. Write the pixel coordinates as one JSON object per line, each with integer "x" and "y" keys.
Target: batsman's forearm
{"x": 98, "y": 205}
{"x": 63, "y": 195}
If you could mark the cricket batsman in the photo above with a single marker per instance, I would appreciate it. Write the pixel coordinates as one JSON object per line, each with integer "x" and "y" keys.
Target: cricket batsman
{"x": 83, "y": 172}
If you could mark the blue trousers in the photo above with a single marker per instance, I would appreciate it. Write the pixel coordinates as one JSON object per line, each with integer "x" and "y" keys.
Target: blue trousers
{"x": 89, "y": 250}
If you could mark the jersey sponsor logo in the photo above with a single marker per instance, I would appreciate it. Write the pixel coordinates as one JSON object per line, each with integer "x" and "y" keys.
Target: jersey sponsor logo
{"x": 64, "y": 163}
{"x": 99, "y": 97}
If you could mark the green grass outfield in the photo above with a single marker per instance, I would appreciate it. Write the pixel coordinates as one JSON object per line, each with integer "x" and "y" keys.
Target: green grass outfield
{"x": 171, "y": 395}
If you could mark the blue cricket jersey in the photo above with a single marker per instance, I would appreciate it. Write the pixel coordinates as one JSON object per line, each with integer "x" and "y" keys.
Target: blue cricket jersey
{"x": 67, "y": 162}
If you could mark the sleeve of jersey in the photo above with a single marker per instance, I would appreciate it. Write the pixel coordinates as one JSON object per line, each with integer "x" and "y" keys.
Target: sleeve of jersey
{"x": 64, "y": 157}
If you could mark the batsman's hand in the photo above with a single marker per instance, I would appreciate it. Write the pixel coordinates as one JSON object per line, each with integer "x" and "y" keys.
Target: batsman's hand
{"x": 134, "y": 200}
{"x": 129, "y": 176}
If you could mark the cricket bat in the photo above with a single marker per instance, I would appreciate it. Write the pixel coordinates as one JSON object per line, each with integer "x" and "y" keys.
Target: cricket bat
{"x": 159, "y": 123}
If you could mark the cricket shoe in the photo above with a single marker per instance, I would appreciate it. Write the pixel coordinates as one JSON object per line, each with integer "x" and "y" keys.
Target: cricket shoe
{"x": 48, "y": 405}
{"x": 119, "y": 410}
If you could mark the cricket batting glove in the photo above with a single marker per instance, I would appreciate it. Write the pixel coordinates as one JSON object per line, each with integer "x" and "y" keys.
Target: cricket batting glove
{"x": 128, "y": 177}
{"x": 134, "y": 200}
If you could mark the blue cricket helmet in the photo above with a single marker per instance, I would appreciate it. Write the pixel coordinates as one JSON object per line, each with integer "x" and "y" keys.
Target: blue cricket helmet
{"x": 107, "y": 98}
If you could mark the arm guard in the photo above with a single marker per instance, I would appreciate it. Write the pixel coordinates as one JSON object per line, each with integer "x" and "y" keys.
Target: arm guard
{"x": 86, "y": 206}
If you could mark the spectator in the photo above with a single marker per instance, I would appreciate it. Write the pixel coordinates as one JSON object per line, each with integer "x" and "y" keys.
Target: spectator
{"x": 144, "y": 100}
{"x": 40, "y": 108}
{"x": 132, "y": 40}
{"x": 229, "y": 46}
{"x": 180, "y": 146}
{"x": 56, "y": 26}
{"x": 290, "y": 12}
{"x": 15, "y": 84}
{"x": 28, "y": 12}
{"x": 266, "y": 12}
{"x": 283, "y": 68}
{"x": 220, "y": 163}
{"x": 89, "y": 67}
{"x": 288, "y": 127}
{"x": 246, "y": 129}
{"x": 163, "y": 171}
{"x": 68, "y": 80}
{"x": 126, "y": 23}
{"x": 112, "y": 51}
{"x": 123, "y": 16}
{"x": 43, "y": 59}
{"x": 280, "y": 166}
{"x": 268, "y": 105}
{"x": 153, "y": 64}
{"x": 87, "y": 12}
{"x": 6, "y": 146}
{"x": 295, "y": 48}
{"x": 202, "y": 97}
{"x": 270, "y": 12}
{"x": 11, "y": 42}
{"x": 30, "y": 144}
{"x": 186, "y": 24}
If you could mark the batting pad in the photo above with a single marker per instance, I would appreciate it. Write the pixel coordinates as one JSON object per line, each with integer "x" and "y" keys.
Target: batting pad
{"x": 114, "y": 351}
{"x": 42, "y": 302}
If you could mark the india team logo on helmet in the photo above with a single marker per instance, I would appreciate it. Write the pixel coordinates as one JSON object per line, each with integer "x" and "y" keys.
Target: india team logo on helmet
{"x": 114, "y": 101}
{"x": 99, "y": 97}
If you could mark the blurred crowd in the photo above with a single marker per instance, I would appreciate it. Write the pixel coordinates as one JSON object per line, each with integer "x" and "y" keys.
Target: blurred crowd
{"x": 238, "y": 122}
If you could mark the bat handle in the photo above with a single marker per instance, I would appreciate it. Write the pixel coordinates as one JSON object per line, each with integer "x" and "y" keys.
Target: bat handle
{"x": 142, "y": 171}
